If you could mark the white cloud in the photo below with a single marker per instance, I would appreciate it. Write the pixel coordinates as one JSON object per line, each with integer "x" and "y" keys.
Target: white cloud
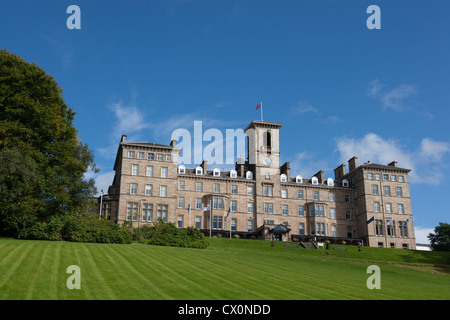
{"x": 422, "y": 233}
{"x": 396, "y": 99}
{"x": 426, "y": 162}
{"x": 306, "y": 164}
{"x": 304, "y": 107}
{"x": 129, "y": 119}
{"x": 103, "y": 181}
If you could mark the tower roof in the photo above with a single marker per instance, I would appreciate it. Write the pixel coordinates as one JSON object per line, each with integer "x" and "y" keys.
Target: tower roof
{"x": 263, "y": 124}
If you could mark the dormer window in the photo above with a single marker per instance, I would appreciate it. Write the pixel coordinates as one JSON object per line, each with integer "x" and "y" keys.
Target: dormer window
{"x": 345, "y": 183}
{"x": 182, "y": 169}
{"x": 216, "y": 172}
{"x": 299, "y": 179}
{"x": 233, "y": 174}
{"x": 314, "y": 181}
{"x": 283, "y": 178}
{"x": 199, "y": 171}
{"x": 330, "y": 182}
{"x": 249, "y": 175}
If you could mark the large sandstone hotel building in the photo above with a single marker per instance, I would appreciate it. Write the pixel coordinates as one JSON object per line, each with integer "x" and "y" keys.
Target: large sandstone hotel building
{"x": 260, "y": 198}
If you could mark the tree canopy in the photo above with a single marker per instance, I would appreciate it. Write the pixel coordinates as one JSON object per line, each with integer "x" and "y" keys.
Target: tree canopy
{"x": 440, "y": 239}
{"x": 43, "y": 160}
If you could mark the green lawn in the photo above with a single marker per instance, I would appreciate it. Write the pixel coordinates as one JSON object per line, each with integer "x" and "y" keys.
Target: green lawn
{"x": 227, "y": 269}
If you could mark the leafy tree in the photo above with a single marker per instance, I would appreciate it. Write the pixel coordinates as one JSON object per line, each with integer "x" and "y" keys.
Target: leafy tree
{"x": 43, "y": 160}
{"x": 440, "y": 239}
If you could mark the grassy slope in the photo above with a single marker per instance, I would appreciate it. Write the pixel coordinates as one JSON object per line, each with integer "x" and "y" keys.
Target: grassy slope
{"x": 228, "y": 269}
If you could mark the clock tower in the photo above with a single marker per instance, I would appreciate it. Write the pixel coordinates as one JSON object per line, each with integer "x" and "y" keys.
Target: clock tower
{"x": 263, "y": 148}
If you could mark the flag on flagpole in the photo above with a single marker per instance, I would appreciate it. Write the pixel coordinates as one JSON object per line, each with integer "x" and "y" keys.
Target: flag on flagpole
{"x": 206, "y": 208}
{"x": 189, "y": 208}
{"x": 258, "y": 106}
{"x": 228, "y": 213}
{"x": 406, "y": 222}
{"x": 370, "y": 220}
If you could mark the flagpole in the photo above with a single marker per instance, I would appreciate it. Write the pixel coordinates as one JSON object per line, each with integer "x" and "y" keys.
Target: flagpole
{"x": 210, "y": 217}
{"x": 190, "y": 212}
{"x": 261, "y": 113}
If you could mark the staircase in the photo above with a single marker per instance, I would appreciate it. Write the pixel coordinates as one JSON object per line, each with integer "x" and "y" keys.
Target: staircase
{"x": 308, "y": 245}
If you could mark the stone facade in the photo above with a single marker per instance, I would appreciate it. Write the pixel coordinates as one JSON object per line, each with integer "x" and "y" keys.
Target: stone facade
{"x": 260, "y": 198}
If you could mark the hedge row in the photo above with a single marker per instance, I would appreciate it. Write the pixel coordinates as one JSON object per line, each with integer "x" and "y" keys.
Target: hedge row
{"x": 77, "y": 229}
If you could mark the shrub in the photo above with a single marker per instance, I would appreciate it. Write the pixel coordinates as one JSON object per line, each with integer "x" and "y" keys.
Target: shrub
{"x": 167, "y": 234}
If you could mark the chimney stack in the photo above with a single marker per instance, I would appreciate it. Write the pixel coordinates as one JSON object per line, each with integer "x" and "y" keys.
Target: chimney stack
{"x": 339, "y": 172}
{"x": 203, "y": 165}
{"x": 393, "y": 164}
{"x": 173, "y": 143}
{"x": 352, "y": 163}
{"x": 124, "y": 138}
{"x": 320, "y": 176}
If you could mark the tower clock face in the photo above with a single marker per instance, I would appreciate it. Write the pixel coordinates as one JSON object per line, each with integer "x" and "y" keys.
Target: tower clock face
{"x": 267, "y": 161}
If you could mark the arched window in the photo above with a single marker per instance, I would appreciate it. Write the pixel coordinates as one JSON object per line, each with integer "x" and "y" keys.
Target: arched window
{"x": 314, "y": 180}
{"x": 182, "y": 169}
{"x": 233, "y": 174}
{"x": 299, "y": 179}
{"x": 330, "y": 182}
{"x": 249, "y": 175}
{"x": 216, "y": 172}
{"x": 199, "y": 171}
{"x": 345, "y": 183}
{"x": 283, "y": 178}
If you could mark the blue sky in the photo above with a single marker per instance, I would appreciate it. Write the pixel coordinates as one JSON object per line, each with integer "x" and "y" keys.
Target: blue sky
{"x": 146, "y": 68}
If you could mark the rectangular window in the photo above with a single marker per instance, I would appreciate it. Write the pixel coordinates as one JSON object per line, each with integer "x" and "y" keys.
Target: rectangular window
{"x": 347, "y": 198}
{"x": 131, "y": 154}
{"x": 249, "y": 207}
{"x": 216, "y": 188}
{"x": 268, "y": 208}
{"x": 180, "y": 202}
{"x": 388, "y": 208}
{"x": 399, "y": 191}
{"x": 150, "y": 156}
{"x": 316, "y": 195}
{"x": 134, "y": 169}
{"x": 401, "y": 179}
{"x": 147, "y": 212}
{"x": 393, "y": 177}
{"x": 250, "y": 191}
{"x": 401, "y": 208}
{"x": 331, "y": 196}
{"x": 132, "y": 211}
{"x": 376, "y": 206}
{"x": 218, "y": 203}
{"x": 301, "y": 211}
{"x": 233, "y": 189}
{"x": 217, "y": 222}
{"x": 169, "y": 158}
{"x": 375, "y": 189}
{"x": 379, "y": 230}
{"x": 163, "y": 191}
{"x": 233, "y": 224}
{"x": 141, "y": 155}
{"x": 159, "y": 157}
{"x": 198, "y": 204}
{"x": 149, "y": 171}
{"x": 301, "y": 229}
{"x": 148, "y": 189}
{"x": 181, "y": 185}
{"x": 377, "y": 176}
{"x": 180, "y": 219}
{"x": 250, "y": 225}
{"x": 311, "y": 228}
{"x": 199, "y": 186}
{"x": 284, "y": 208}
{"x": 333, "y": 230}
{"x": 370, "y": 176}
{"x": 333, "y": 213}
{"x": 349, "y": 232}
{"x": 300, "y": 194}
{"x": 385, "y": 177}
{"x": 233, "y": 205}
{"x": 284, "y": 193}
{"x": 387, "y": 190}
{"x": 267, "y": 191}
{"x": 164, "y": 172}
{"x": 133, "y": 188}
{"x": 348, "y": 214}
{"x": 311, "y": 211}
{"x": 198, "y": 222}
{"x": 162, "y": 212}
